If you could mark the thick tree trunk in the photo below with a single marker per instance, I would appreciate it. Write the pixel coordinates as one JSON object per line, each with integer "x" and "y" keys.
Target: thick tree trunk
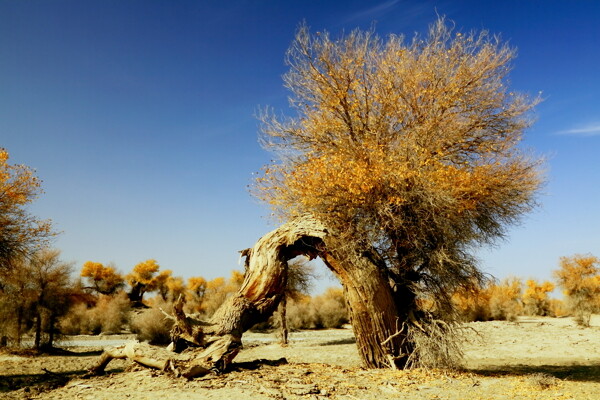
{"x": 380, "y": 333}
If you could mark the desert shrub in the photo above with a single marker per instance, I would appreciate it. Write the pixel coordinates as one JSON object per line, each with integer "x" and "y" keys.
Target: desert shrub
{"x": 505, "y": 300}
{"x": 579, "y": 277}
{"x": 301, "y": 313}
{"x": 109, "y": 315}
{"x": 151, "y": 325}
{"x": 558, "y": 308}
{"x": 535, "y": 298}
{"x": 331, "y": 309}
{"x": 472, "y": 304}
{"x": 76, "y": 321}
{"x": 325, "y": 311}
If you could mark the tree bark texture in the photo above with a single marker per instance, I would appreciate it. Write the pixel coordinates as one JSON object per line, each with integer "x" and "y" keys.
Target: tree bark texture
{"x": 373, "y": 313}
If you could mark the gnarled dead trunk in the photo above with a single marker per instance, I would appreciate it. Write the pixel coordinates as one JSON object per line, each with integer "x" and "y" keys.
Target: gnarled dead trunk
{"x": 220, "y": 338}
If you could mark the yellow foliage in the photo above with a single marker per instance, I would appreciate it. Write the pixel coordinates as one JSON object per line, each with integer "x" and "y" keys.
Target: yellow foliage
{"x": 207, "y": 296}
{"x": 215, "y": 284}
{"x": 579, "y": 277}
{"x": 407, "y": 150}
{"x": 536, "y": 299}
{"x": 105, "y": 279}
{"x": 579, "y": 273}
{"x": 19, "y": 231}
{"x": 381, "y": 122}
{"x": 197, "y": 285}
{"x": 143, "y": 273}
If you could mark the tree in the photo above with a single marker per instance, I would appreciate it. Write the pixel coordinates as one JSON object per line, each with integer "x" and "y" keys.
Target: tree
{"x": 20, "y": 232}
{"x": 169, "y": 287}
{"x": 102, "y": 279}
{"x": 17, "y": 297}
{"x": 408, "y": 154}
{"x": 298, "y": 282}
{"x": 142, "y": 279}
{"x": 50, "y": 280}
{"x": 579, "y": 277}
{"x": 535, "y": 298}
{"x": 196, "y": 290}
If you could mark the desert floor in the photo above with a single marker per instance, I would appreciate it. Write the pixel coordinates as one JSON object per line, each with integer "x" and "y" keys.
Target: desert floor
{"x": 534, "y": 358}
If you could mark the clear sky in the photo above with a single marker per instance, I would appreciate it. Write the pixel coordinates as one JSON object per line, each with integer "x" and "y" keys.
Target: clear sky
{"x": 139, "y": 118}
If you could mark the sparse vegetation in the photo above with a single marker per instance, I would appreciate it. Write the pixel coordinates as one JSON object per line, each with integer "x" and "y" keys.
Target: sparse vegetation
{"x": 151, "y": 325}
{"x": 579, "y": 277}
{"x": 535, "y": 298}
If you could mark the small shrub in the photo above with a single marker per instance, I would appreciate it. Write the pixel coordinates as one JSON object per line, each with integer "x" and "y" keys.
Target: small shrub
{"x": 325, "y": 311}
{"x": 472, "y": 304}
{"x": 301, "y": 313}
{"x": 109, "y": 315}
{"x": 558, "y": 308}
{"x": 76, "y": 321}
{"x": 505, "y": 300}
{"x": 331, "y": 309}
{"x": 150, "y": 325}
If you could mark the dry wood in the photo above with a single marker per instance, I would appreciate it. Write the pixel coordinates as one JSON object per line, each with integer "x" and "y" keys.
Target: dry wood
{"x": 213, "y": 344}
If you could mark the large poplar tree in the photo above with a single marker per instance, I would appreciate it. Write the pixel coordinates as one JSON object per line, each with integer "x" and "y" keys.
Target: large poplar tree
{"x": 408, "y": 153}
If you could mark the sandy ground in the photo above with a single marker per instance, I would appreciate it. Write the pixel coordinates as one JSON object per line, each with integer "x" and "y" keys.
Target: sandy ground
{"x": 535, "y": 358}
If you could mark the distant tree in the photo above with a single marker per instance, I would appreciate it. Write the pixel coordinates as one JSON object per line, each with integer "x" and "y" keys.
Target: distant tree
{"x": 579, "y": 277}
{"x": 535, "y": 298}
{"x": 141, "y": 280}
{"x": 407, "y": 154}
{"x": 505, "y": 299}
{"x": 298, "y": 281}
{"x": 20, "y": 232}
{"x": 168, "y": 287}
{"x": 219, "y": 289}
{"x": 51, "y": 282}
{"x": 161, "y": 283}
{"x": 196, "y": 290}
{"x": 102, "y": 279}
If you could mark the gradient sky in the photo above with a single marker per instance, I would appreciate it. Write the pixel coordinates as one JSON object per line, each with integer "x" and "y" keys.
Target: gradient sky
{"x": 139, "y": 118}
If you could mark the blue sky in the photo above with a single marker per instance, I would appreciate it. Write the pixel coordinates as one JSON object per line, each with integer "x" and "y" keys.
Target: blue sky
{"x": 139, "y": 118}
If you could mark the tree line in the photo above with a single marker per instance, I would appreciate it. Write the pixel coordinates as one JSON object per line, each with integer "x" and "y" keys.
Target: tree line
{"x": 41, "y": 299}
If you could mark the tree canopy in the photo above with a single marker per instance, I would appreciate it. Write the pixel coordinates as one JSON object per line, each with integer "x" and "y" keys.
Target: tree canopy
{"x": 20, "y": 232}
{"x": 407, "y": 147}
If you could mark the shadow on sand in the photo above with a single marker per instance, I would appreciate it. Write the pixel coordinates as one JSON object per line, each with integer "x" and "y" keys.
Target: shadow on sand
{"x": 573, "y": 372}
